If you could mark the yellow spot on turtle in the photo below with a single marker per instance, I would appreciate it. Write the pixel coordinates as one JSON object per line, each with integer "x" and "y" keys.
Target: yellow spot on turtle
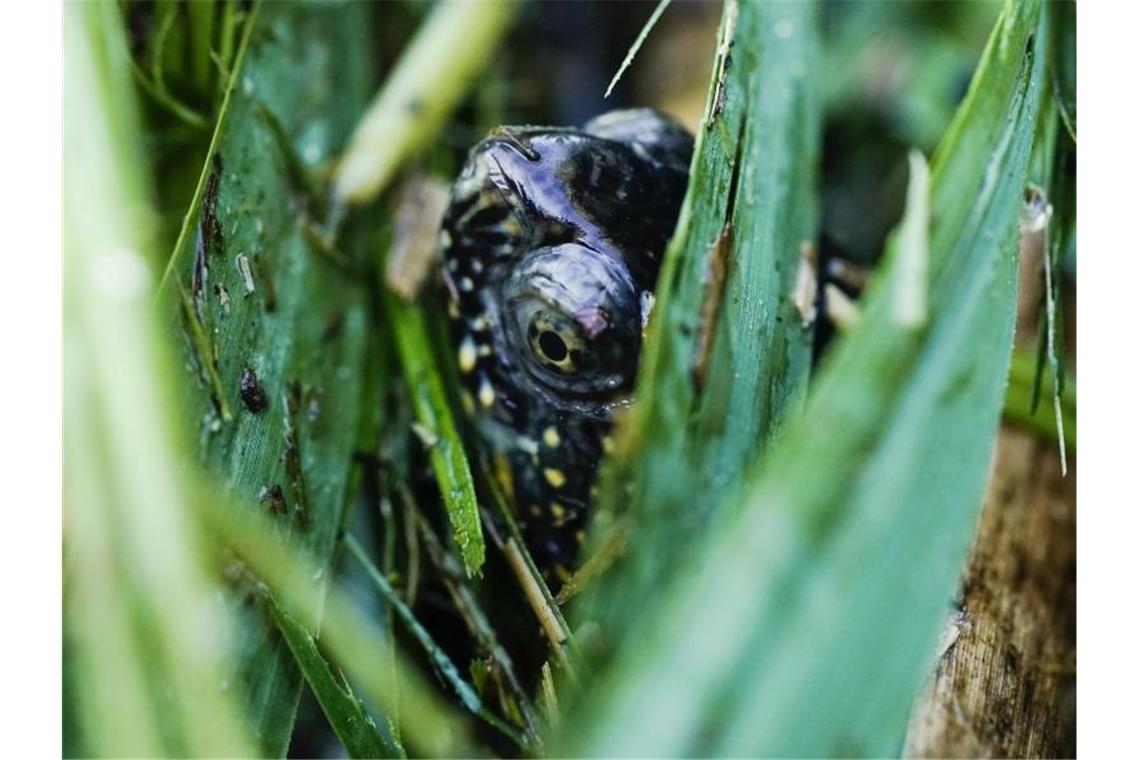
{"x": 502, "y": 470}
{"x": 554, "y": 477}
{"x": 467, "y": 401}
{"x": 467, "y": 355}
{"x": 484, "y": 349}
{"x": 466, "y": 285}
{"x": 580, "y": 536}
{"x": 550, "y": 437}
{"x": 534, "y": 510}
{"x": 607, "y": 444}
{"x": 511, "y": 226}
{"x": 557, "y": 510}
{"x": 486, "y": 393}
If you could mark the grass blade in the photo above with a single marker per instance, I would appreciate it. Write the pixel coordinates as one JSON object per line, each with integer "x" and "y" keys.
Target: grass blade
{"x": 433, "y": 412}
{"x": 432, "y": 75}
{"x": 345, "y": 713}
{"x": 149, "y": 681}
{"x": 1042, "y": 420}
{"x": 727, "y": 352}
{"x": 637, "y": 43}
{"x": 816, "y": 603}
{"x": 1064, "y": 64}
{"x": 277, "y": 335}
{"x": 353, "y": 640}
{"x": 439, "y": 658}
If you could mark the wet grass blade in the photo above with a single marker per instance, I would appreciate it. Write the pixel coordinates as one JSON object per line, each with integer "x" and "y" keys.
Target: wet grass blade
{"x": 345, "y": 712}
{"x": 727, "y": 351}
{"x": 433, "y": 412}
{"x": 147, "y": 682}
{"x": 276, "y": 333}
{"x": 815, "y": 604}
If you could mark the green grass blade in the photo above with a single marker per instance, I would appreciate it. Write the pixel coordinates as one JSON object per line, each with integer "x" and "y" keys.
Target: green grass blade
{"x": 816, "y": 606}
{"x": 358, "y": 645}
{"x": 150, "y": 680}
{"x": 439, "y": 658}
{"x": 1040, "y": 420}
{"x": 637, "y": 43}
{"x": 432, "y": 75}
{"x": 433, "y": 412}
{"x": 346, "y": 714}
{"x": 727, "y": 352}
{"x": 1064, "y": 64}
{"x": 255, "y": 296}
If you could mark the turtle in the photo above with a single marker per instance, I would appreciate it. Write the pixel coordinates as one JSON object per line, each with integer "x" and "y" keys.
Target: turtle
{"x": 552, "y": 242}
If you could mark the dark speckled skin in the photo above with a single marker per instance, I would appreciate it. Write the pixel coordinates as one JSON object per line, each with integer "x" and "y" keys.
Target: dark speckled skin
{"x": 552, "y": 243}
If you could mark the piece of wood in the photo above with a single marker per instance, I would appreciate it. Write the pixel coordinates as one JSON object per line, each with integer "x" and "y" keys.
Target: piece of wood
{"x": 1006, "y": 687}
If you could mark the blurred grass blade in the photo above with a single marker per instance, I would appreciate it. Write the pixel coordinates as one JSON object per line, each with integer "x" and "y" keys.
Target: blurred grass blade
{"x": 810, "y": 616}
{"x": 433, "y": 412}
{"x": 353, "y": 640}
{"x": 346, "y": 714}
{"x": 429, "y": 80}
{"x": 727, "y": 351}
{"x": 910, "y": 281}
{"x": 150, "y": 678}
{"x": 276, "y": 332}
{"x": 1064, "y": 63}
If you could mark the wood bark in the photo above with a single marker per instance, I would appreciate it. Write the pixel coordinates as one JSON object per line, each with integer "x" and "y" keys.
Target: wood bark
{"x": 1006, "y": 684}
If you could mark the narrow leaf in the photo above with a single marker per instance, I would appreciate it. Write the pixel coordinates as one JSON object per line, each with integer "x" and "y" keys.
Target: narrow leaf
{"x": 816, "y": 603}
{"x": 433, "y": 412}
{"x": 275, "y": 330}
{"x": 346, "y": 714}
{"x": 637, "y": 43}
{"x": 727, "y": 352}
{"x": 149, "y": 679}
{"x": 439, "y": 658}
{"x": 428, "y": 82}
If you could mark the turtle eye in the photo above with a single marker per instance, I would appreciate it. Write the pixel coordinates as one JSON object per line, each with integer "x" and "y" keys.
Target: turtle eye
{"x": 574, "y": 322}
{"x": 555, "y": 342}
{"x": 552, "y": 346}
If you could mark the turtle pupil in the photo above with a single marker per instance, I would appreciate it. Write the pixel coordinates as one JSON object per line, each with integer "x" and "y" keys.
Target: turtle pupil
{"x": 553, "y": 346}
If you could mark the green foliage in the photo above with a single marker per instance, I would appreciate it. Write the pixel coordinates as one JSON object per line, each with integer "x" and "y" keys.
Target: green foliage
{"x": 146, "y": 638}
{"x": 1064, "y": 63}
{"x": 775, "y": 559}
{"x": 727, "y": 351}
{"x": 433, "y": 412}
{"x": 814, "y": 603}
{"x": 354, "y": 641}
{"x": 266, "y": 308}
{"x": 346, "y": 714}
{"x": 421, "y": 93}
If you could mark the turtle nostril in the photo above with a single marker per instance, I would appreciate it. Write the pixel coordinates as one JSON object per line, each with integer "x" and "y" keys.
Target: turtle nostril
{"x": 553, "y": 346}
